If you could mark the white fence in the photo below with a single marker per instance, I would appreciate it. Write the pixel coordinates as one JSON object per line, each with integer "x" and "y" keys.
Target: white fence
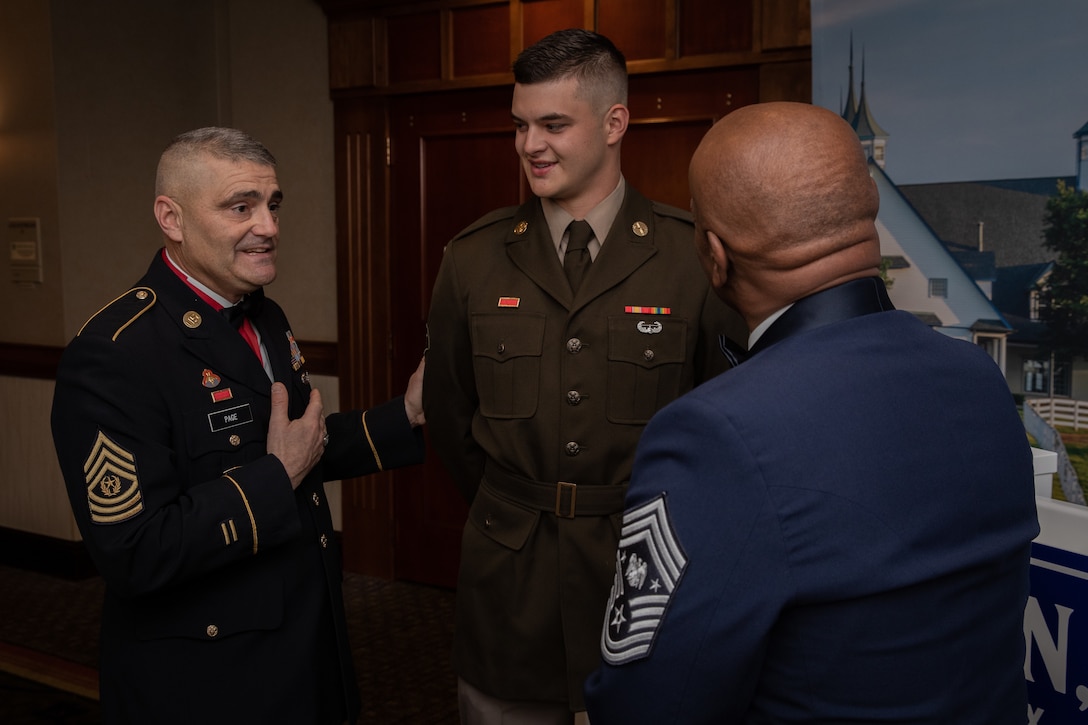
{"x": 1049, "y": 439}
{"x": 1061, "y": 411}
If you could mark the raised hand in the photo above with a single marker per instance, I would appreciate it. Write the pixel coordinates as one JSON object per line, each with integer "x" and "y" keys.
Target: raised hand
{"x": 299, "y": 443}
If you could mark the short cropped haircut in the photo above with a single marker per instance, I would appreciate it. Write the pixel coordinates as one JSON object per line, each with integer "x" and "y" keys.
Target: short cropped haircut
{"x": 592, "y": 58}
{"x": 229, "y": 144}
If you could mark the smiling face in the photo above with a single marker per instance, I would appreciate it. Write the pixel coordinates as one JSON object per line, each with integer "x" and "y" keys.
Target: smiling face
{"x": 222, "y": 224}
{"x": 569, "y": 147}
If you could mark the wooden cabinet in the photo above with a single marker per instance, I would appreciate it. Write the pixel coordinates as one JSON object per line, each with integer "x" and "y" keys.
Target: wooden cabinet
{"x": 425, "y": 146}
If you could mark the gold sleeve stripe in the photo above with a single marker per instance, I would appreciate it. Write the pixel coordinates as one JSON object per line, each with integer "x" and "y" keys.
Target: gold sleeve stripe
{"x": 150, "y": 304}
{"x": 252, "y": 521}
{"x": 373, "y": 450}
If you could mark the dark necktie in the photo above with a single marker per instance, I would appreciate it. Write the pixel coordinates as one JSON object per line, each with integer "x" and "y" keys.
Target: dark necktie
{"x": 576, "y": 260}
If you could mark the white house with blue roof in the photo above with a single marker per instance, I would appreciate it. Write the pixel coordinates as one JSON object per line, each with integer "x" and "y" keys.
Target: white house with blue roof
{"x": 925, "y": 278}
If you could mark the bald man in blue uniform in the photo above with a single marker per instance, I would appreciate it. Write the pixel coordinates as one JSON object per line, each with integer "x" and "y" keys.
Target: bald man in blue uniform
{"x": 837, "y": 530}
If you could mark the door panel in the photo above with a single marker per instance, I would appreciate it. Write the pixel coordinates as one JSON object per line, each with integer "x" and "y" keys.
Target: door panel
{"x": 452, "y": 162}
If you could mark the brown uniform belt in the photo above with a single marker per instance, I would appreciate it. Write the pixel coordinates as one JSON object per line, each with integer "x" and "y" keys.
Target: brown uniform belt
{"x": 561, "y": 498}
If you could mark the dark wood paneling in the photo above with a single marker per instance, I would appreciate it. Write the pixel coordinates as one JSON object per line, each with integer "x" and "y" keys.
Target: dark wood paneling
{"x": 543, "y": 17}
{"x": 670, "y": 113}
{"x": 637, "y": 27}
{"x": 454, "y": 162}
{"x": 715, "y": 26}
{"x": 481, "y": 40}
{"x": 321, "y": 357}
{"x": 351, "y": 53}
{"x": 414, "y": 47}
{"x": 786, "y": 24}
{"x": 29, "y": 361}
{"x": 46, "y": 554}
{"x": 652, "y": 154}
{"x": 785, "y": 82}
{"x": 362, "y": 274}
{"x": 678, "y": 95}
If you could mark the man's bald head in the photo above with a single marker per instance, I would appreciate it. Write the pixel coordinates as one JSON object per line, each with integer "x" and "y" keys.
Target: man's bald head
{"x": 787, "y": 190}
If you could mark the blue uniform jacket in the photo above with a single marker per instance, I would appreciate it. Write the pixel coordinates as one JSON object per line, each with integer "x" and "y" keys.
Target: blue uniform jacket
{"x": 223, "y": 585}
{"x": 836, "y": 531}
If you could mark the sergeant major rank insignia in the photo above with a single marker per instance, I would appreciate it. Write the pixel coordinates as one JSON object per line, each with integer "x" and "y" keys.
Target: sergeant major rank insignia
{"x": 113, "y": 488}
{"x": 649, "y": 564}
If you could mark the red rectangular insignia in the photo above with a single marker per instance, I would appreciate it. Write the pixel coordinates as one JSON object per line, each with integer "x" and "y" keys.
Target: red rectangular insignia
{"x": 218, "y": 396}
{"x": 509, "y": 301}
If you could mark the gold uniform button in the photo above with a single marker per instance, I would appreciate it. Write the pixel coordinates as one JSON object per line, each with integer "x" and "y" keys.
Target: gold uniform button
{"x": 640, "y": 229}
{"x": 573, "y": 397}
{"x": 572, "y": 449}
{"x": 141, "y": 295}
{"x": 574, "y": 346}
{"x": 192, "y": 319}
{"x": 213, "y": 631}
{"x": 324, "y": 541}
{"x": 317, "y": 500}
{"x": 235, "y": 440}
{"x": 648, "y": 354}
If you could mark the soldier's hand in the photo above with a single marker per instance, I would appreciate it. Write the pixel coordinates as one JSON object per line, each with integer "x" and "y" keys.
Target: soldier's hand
{"x": 413, "y": 396}
{"x": 299, "y": 443}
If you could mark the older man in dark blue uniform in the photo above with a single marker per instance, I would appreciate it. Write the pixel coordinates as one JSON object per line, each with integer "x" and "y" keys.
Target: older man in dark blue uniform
{"x": 195, "y": 458}
{"x": 837, "y": 530}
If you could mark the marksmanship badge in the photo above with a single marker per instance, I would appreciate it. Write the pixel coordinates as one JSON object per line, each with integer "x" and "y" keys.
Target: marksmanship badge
{"x": 649, "y": 564}
{"x": 113, "y": 489}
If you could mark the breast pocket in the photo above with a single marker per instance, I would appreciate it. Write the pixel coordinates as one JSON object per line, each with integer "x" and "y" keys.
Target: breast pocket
{"x": 506, "y": 356}
{"x": 646, "y": 361}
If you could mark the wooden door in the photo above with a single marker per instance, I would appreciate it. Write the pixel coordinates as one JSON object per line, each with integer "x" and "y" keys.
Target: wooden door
{"x": 452, "y": 160}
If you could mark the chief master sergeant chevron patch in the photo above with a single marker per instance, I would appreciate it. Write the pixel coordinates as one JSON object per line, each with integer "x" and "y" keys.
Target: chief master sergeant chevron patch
{"x": 649, "y": 564}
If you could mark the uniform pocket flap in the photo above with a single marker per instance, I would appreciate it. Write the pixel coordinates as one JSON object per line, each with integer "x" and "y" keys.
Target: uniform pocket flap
{"x": 647, "y": 342}
{"x": 507, "y": 336}
{"x": 244, "y": 605}
{"x": 502, "y": 520}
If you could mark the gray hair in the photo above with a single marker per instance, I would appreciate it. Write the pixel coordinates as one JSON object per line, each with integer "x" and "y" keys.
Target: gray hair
{"x": 222, "y": 143}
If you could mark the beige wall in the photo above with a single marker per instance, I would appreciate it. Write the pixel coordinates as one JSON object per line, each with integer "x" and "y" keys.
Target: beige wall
{"x": 90, "y": 93}
{"x": 28, "y": 169}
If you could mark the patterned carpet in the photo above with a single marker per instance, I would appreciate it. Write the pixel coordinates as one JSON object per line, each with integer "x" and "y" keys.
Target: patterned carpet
{"x": 401, "y": 635}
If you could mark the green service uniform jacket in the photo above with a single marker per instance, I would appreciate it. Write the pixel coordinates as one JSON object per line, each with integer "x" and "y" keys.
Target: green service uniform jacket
{"x": 223, "y": 595}
{"x": 535, "y": 399}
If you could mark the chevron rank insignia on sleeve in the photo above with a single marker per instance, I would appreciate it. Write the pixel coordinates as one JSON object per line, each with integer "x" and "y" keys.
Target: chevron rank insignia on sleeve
{"x": 649, "y": 564}
{"x": 113, "y": 488}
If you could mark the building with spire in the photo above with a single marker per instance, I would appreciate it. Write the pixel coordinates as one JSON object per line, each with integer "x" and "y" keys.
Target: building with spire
{"x": 969, "y": 259}
{"x": 856, "y": 112}
{"x": 924, "y": 277}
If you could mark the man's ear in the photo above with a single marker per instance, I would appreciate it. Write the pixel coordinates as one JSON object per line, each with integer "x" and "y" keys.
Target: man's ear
{"x": 719, "y": 260}
{"x": 616, "y": 122}
{"x": 168, "y": 215}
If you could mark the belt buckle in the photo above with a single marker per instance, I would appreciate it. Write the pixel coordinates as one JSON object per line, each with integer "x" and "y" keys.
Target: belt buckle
{"x": 559, "y": 487}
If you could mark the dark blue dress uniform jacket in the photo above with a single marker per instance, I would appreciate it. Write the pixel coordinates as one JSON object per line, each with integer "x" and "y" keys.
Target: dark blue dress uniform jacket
{"x": 223, "y": 586}
{"x": 836, "y": 531}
